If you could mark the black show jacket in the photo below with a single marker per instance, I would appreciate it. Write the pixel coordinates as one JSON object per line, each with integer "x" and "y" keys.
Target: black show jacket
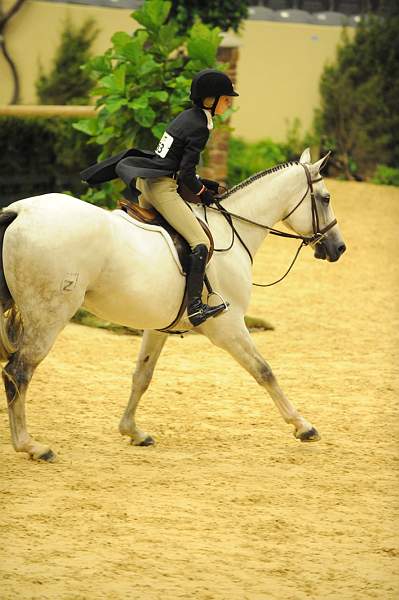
{"x": 177, "y": 152}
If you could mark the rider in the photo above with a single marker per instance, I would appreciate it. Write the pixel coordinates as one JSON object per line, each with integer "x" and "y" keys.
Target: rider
{"x": 178, "y": 152}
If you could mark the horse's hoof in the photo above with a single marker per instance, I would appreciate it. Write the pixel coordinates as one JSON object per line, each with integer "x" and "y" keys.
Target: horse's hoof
{"x": 308, "y": 436}
{"x": 147, "y": 441}
{"x": 48, "y": 456}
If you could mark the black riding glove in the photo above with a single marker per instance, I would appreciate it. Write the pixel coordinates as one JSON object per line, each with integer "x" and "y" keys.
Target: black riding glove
{"x": 207, "y": 197}
{"x": 214, "y": 186}
{"x": 210, "y": 184}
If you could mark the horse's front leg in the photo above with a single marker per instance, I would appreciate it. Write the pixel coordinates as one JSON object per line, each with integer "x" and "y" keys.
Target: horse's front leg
{"x": 151, "y": 347}
{"x": 239, "y": 344}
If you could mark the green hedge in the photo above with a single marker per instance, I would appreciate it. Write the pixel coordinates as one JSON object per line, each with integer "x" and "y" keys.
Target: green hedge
{"x": 386, "y": 175}
{"x": 245, "y": 158}
{"x": 41, "y": 155}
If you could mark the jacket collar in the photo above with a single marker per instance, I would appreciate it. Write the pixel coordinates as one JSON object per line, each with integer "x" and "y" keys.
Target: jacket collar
{"x": 208, "y": 118}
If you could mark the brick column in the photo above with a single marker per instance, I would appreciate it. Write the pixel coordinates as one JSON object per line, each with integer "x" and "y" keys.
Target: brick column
{"x": 217, "y": 149}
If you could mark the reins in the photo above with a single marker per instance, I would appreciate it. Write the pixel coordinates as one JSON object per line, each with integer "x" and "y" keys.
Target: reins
{"x": 318, "y": 234}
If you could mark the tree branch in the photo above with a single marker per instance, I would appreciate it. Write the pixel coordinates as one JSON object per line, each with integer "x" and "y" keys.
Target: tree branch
{"x": 14, "y": 72}
{"x": 4, "y": 18}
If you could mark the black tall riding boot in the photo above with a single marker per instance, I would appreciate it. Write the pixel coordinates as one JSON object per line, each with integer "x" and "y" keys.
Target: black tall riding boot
{"x": 196, "y": 310}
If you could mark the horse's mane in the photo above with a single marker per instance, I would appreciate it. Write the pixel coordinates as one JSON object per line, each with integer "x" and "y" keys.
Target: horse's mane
{"x": 256, "y": 176}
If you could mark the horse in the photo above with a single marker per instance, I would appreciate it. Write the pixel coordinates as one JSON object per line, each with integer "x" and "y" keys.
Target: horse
{"x": 60, "y": 253}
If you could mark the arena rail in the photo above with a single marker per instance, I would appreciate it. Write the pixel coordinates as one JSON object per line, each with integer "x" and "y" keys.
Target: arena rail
{"x": 50, "y": 110}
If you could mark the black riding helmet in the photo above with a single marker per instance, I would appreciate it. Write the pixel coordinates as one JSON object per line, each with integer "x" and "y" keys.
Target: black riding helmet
{"x": 211, "y": 83}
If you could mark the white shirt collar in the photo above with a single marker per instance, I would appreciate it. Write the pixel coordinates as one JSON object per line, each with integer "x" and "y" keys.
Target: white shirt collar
{"x": 208, "y": 118}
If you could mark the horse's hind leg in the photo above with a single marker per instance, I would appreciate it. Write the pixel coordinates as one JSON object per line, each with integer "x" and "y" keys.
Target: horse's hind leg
{"x": 237, "y": 341}
{"x": 151, "y": 347}
{"x": 17, "y": 375}
{"x": 41, "y": 328}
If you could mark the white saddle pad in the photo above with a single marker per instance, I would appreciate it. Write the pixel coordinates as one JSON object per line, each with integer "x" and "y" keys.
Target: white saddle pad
{"x": 154, "y": 228}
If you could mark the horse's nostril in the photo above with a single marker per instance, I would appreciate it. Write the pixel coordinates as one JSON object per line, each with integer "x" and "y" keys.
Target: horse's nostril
{"x": 341, "y": 249}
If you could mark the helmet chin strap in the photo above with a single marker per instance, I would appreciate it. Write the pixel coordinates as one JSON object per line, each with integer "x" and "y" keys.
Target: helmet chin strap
{"x": 214, "y": 105}
{"x": 200, "y": 103}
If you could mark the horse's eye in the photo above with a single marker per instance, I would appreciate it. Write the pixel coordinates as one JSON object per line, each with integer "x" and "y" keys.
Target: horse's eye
{"x": 326, "y": 198}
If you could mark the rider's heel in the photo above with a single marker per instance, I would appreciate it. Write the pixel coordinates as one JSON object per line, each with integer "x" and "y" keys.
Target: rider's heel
{"x": 197, "y": 311}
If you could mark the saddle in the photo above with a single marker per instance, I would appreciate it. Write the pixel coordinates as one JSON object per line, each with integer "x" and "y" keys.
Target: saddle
{"x": 153, "y": 217}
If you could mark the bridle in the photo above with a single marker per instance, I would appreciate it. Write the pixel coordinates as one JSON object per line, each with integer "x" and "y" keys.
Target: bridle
{"x": 318, "y": 234}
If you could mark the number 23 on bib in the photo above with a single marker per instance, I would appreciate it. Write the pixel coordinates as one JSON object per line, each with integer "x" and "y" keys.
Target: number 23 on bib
{"x": 165, "y": 143}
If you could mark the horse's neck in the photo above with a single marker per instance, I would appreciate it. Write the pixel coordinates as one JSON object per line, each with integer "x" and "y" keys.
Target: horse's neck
{"x": 264, "y": 201}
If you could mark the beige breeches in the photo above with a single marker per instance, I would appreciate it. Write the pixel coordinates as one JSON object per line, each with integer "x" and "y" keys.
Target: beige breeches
{"x": 161, "y": 193}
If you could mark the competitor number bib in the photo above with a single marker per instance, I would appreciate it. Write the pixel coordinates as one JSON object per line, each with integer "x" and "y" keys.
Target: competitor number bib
{"x": 164, "y": 145}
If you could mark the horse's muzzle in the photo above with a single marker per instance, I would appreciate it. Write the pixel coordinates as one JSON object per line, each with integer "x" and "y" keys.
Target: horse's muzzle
{"x": 326, "y": 250}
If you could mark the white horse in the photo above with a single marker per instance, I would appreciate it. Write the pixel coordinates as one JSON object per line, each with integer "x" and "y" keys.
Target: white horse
{"x": 60, "y": 253}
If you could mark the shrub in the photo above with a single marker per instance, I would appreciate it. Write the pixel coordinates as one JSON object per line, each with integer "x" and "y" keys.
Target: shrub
{"x": 247, "y": 158}
{"x": 56, "y": 153}
{"x": 225, "y": 14}
{"x": 359, "y": 115}
{"x": 143, "y": 82}
{"x": 67, "y": 83}
{"x": 386, "y": 175}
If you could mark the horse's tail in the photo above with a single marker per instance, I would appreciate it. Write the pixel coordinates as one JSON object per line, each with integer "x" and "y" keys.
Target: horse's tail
{"x": 10, "y": 319}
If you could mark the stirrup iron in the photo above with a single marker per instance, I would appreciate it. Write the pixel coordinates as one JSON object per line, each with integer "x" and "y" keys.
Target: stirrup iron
{"x": 213, "y": 293}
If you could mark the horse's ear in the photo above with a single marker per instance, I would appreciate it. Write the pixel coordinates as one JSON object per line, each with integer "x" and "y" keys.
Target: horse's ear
{"x": 320, "y": 164}
{"x": 305, "y": 156}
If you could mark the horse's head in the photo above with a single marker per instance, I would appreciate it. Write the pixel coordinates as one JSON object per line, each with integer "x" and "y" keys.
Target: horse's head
{"x": 314, "y": 214}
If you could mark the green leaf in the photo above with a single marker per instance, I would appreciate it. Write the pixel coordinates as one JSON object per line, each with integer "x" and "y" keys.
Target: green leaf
{"x": 203, "y": 43}
{"x": 141, "y": 36}
{"x": 105, "y": 135}
{"x": 140, "y": 102}
{"x": 175, "y": 64}
{"x": 153, "y": 13}
{"x": 162, "y": 96}
{"x": 130, "y": 47}
{"x": 99, "y": 91}
{"x": 167, "y": 38}
{"x": 145, "y": 116}
{"x": 114, "y": 104}
{"x": 147, "y": 65}
{"x": 121, "y": 39}
{"x": 159, "y": 129}
{"x": 107, "y": 82}
{"x": 120, "y": 77}
{"x": 100, "y": 64}
{"x": 88, "y": 126}
{"x": 132, "y": 51}
{"x": 115, "y": 82}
